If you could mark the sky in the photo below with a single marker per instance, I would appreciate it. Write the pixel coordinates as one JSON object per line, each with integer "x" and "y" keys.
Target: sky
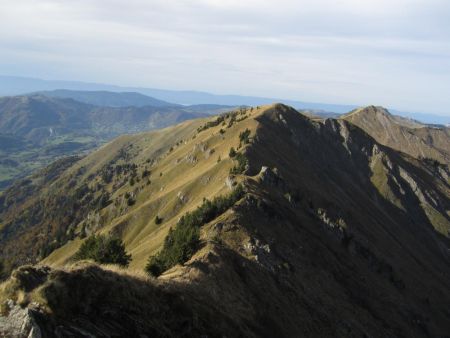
{"x": 394, "y": 53}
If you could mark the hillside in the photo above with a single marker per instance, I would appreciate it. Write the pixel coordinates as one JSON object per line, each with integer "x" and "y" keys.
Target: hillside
{"x": 409, "y": 136}
{"x": 333, "y": 234}
{"x": 36, "y": 129}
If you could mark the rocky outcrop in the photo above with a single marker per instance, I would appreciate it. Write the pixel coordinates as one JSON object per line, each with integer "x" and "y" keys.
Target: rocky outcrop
{"x": 271, "y": 177}
{"x": 18, "y": 322}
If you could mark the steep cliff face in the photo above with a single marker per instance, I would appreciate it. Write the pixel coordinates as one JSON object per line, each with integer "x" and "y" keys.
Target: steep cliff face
{"x": 418, "y": 140}
{"x": 334, "y": 235}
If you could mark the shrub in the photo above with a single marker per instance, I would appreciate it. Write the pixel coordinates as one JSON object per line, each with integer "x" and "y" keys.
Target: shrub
{"x": 244, "y": 136}
{"x": 211, "y": 124}
{"x": 232, "y": 152}
{"x": 2, "y": 270}
{"x": 241, "y": 165}
{"x": 104, "y": 250}
{"x": 107, "y": 174}
{"x": 181, "y": 244}
{"x": 104, "y": 200}
{"x": 158, "y": 220}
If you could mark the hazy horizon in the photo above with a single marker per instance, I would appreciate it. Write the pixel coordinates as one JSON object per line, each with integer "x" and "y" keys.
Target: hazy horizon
{"x": 394, "y": 54}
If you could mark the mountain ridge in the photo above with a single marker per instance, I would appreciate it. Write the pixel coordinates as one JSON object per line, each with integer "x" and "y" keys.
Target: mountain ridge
{"x": 416, "y": 139}
{"x": 378, "y": 218}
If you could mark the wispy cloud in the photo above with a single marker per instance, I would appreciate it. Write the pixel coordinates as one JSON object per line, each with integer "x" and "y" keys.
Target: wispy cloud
{"x": 394, "y": 53}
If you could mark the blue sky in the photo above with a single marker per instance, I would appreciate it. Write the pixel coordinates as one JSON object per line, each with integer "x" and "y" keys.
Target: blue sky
{"x": 393, "y": 53}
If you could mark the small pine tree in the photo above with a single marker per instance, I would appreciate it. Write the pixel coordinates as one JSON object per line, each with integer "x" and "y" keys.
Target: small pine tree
{"x": 131, "y": 202}
{"x": 232, "y": 152}
{"x": 145, "y": 173}
{"x": 104, "y": 250}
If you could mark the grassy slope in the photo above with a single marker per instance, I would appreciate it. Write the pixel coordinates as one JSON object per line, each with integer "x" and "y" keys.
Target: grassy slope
{"x": 205, "y": 178}
{"x": 195, "y": 181}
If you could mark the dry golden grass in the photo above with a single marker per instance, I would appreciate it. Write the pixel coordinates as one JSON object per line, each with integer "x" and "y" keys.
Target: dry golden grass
{"x": 204, "y": 178}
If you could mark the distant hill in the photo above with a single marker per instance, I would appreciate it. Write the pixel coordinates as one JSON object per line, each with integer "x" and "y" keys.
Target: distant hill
{"x": 38, "y": 118}
{"x": 409, "y": 136}
{"x": 37, "y": 129}
{"x": 108, "y": 99}
{"x": 260, "y": 222}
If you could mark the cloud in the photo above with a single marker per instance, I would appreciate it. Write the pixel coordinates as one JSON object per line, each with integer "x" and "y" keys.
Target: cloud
{"x": 394, "y": 53}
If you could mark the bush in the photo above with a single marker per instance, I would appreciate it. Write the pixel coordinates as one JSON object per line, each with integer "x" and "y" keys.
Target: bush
{"x": 244, "y": 136}
{"x": 158, "y": 220}
{"x": 211, "y": 124}
{"x": 232, "y": 152}
{"x": 2, "y": 270}
{"x": 241, "y": 165}
{"x": 104, "y": 200}
{"x": 103, "y": 250}
{"x": 145, "y": 173}
{"x": 181, "y": 244}
{"x": 107, "y": 174}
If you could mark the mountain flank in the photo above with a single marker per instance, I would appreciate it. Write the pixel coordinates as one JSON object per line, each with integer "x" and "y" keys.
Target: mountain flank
{"x": 409, "y": 136}
{"x": 331, "y": 234}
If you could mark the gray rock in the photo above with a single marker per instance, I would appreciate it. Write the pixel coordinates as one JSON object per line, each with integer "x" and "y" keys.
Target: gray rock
{"x": 230, "y": 182}
{"x": 19, "y": 322}
{"x": 271, "y": 177}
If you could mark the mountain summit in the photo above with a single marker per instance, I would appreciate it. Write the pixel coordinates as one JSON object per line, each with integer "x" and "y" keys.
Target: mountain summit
{"x": 407, "y": 135}
{"x": 257, "y": 222}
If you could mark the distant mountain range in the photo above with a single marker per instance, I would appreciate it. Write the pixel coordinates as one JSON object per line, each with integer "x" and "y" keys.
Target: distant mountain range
{"x": 10, "y": 85}
{"x": 108, "y": 99}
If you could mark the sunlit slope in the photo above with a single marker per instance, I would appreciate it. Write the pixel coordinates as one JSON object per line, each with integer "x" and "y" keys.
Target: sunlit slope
{"x": 408, "y": 136}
